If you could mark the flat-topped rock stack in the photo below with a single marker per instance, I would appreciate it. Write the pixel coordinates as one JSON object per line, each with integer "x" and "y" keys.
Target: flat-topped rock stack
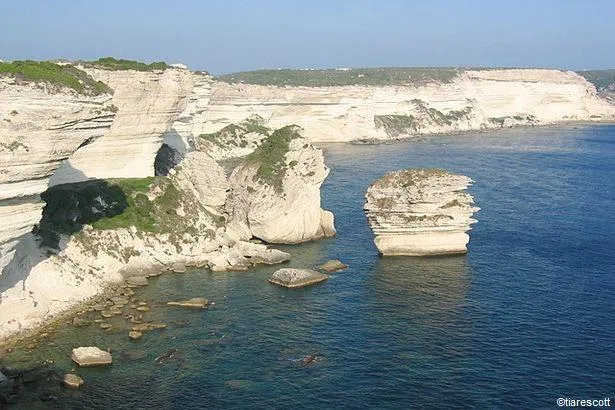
{"x": 420, "y": 212}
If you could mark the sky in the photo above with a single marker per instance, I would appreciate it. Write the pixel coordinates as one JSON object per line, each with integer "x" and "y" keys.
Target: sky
{"x": 224, "y": 36}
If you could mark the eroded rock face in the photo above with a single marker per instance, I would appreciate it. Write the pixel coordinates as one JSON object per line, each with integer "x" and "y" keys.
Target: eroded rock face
{"x": 39, "y": 128}
{"x": 420, "y": 212}
{"x": 474, "y": 100}
{"x": 276, "y": 197}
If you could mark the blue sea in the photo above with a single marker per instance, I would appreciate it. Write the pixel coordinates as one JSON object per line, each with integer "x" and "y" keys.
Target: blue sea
{"x": 525, "y": 318}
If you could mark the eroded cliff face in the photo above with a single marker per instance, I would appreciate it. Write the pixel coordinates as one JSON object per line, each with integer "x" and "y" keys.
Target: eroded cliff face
{"x": 420, "y": 212}
{"x": 40, "y": 126}
{"x": 474, "y": 100}
{"x": 282, "y": 207}
{"x": 110, "y": 230}
{"x": 147, "y": 103}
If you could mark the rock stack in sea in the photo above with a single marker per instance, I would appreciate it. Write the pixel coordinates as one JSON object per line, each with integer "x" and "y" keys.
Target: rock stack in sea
{"x": 420, "y": 212}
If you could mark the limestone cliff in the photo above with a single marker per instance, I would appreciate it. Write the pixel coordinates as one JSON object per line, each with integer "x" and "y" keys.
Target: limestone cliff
{"x": 275, "y": 186}
{"x": 469, "y": 100}
{"x": 148, "y": 102}
{"x": 108, "y": 230}
{"x": 40, "y": 126}
{"x": 420, "y": 212}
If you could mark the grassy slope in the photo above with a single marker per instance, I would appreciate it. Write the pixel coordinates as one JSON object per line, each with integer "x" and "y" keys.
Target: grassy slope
{"x": 271, "y": 156}
{"x": 602, "y": 79}
{"x": 54, "y": 74}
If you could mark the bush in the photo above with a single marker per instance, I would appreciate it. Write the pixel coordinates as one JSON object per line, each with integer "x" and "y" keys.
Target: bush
{"x": 54, "y": 74}
{"x": 111, "y": 63}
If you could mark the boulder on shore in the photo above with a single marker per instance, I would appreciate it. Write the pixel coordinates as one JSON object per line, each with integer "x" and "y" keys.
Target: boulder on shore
{"x": 420, "y": 212}
{"x": 295, "y": 278}
{"x": 90, "y": 356}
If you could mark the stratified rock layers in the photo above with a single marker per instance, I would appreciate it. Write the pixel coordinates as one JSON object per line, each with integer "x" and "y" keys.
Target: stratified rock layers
{"x": 420, "y": 212}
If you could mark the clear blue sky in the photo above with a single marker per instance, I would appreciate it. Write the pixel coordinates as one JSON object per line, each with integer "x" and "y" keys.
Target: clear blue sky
{"x": 232, "y": 35}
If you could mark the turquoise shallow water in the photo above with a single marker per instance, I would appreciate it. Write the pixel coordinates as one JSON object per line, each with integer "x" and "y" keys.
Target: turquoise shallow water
{"x": 526, "y": 317}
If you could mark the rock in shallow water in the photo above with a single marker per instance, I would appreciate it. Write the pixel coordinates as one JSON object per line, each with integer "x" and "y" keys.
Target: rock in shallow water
{"x": 333, "y": 265}
{"x": 90, "y": 356}
{"x": 295, "y": 278}
{"x": 420, "y": 212}
{"x": 73, "y": 381}
{"x": 196, "y": 303}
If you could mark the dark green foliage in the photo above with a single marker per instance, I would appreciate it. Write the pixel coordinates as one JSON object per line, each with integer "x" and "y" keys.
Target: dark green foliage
{"x": 340, "y": 77}
{"x": 111, "y": 63}
{"x": 68, "y": 207}
{"x": 54, "y": 74}
{"x": 602, "y": 79}
{"x": 233, "y": 134}
{"x": 270, "y": 156}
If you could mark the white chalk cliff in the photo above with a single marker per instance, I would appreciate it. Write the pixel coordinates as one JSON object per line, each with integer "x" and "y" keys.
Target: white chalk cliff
{"x": 420, "y": 212}
{"x": 39, "y": 128}
{"x": 216, "y": 136}
{"x": 474, "y": 100}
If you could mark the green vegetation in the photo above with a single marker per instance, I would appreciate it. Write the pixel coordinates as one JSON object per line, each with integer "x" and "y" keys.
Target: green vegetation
{"x": 527, "y": 118}
{"x": 111, "y": 63}
{"x": 440, "y": 118}
{"x": 602, "y": 79}
{"x": 233, "y": 134}
{"x": 271, "y": 156}
{"x": 55, "y": 75}
{"x": 157, "y": 215}
{"x": 395, "y": 125}
{"x": 452, "y": 204}
{"x": 340, "y": 77}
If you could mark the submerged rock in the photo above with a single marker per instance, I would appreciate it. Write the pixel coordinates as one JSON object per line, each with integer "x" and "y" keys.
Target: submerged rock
{"x": 137, "y": 281}
{"x": 333, "y": 265}
{"x": 72, "y": 380}
{"x": 295, "y": 278}
{"x": 90, "y": 356}
{"x": 134, "y": 335}
{"x": 196, "y": 303}
{"x": 142, "y": 327}
{"x": 420, "y": 212}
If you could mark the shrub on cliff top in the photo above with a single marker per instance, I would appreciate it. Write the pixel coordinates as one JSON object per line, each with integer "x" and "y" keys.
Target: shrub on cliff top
{"x": 55, "y": 75}
{"x": 111, "y": 63}
{"x": 271, "y": 156}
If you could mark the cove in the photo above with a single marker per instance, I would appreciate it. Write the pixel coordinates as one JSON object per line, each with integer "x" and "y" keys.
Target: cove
{"x": 523, "y": 319}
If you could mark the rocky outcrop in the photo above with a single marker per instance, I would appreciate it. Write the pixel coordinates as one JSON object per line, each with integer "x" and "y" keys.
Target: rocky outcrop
{"x": 276, "y": 191}
{"x": 147, "y": 103}
{"x": 420, "y": 212}
{"x": 472, "y": 100}
{"x": 90, "y": 356}
{"x": 296, "y": 278}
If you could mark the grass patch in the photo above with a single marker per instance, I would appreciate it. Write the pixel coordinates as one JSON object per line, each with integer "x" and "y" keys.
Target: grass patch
{"x": 233, "y": 134}
{"x": 111, "y": 63}
{"x": 341, "y": 77}
{"x": 602, "y": 79}
{"x": 54, "y": 74}
{"x": 395, "y": 125}
{"x": 271, "y": 156}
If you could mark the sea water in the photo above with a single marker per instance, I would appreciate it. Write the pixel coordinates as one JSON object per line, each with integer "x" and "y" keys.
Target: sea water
{"x": 525, "y": 318}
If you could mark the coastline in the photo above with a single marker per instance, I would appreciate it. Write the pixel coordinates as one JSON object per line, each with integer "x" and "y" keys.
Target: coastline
{"x": 110, "y": 288}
